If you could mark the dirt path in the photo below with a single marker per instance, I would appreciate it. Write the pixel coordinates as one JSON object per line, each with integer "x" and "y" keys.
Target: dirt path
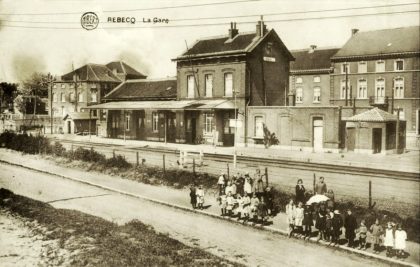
{"x": 22, "y": 244}
{"x": 234, "y": 242}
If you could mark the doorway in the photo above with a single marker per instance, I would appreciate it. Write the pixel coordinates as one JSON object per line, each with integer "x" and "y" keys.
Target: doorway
{"x": 318, "y": 134}
{"x": 69, "y": 127}
{"x": 377, "y": 140}
{"x": 351, "y": 139}
{"x": 171, "y": 127}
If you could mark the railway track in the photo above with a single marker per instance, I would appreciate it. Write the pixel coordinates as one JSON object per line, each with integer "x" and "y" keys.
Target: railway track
{"x": 269, "y": 162}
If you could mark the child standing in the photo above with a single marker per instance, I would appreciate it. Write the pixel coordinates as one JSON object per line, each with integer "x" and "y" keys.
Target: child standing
{"x": 193, "y": 197}
{"x": 376, "y": 231}
{"x": 200, "y": 197}
{"x": 389, "y": 240}
{"x": 329, "y": 226}
{"x": 337, "y": 225}
{"x": 299, "y": 215}
{"x": 246, "y": 200}
{"x": 320, "y": 222}
{"x": 362, "y": 235}
{"x": 290, "y": 212}
{"x": 400, "y": 237}
{"x": 223, "y": 205}
{"x": 307, "y": 221}
{"x": 240, "y": 206}
{"x": 230, "y": 202}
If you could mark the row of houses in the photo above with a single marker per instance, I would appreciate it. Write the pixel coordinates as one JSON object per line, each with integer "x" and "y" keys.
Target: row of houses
{"x": 233, "y": 89}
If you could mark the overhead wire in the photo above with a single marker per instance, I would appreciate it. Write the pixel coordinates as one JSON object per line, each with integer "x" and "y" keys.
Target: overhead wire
{"x": 218, "y": 23}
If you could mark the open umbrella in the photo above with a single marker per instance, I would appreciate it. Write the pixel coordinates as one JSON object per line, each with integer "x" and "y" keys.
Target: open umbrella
{"x": 317, "y": 199}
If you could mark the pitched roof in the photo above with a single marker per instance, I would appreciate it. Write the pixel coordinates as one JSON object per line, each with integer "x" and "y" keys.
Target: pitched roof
{"x": 92, "y": 72}
{"x": 144, "y": 89}
{"x": 123, "y": 68}
{"x": 373, "y": 115}
{"x": 318, "y": 59}
{"x": 382, "y": 42}
{"x": 219, "y": 45}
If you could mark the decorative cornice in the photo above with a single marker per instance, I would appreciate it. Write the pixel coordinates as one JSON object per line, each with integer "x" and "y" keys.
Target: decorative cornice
{"x": 374, "y": 56}
{"x": 312, "y": 71}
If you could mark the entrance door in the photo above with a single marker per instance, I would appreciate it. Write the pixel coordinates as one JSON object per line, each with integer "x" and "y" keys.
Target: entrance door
{"x": 350, "y": 138}
{"x": 193, "y": 130}
{"x": 318, "y": 134}
{"x": 69, "y": 127}
{"x": 141, "y": 130}
{"x": 228, "y": 132}
{"x": 377, "y": 140}
{"x": 171, "y": 124}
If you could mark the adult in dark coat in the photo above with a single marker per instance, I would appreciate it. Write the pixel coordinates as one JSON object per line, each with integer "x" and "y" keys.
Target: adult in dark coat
{"x": 307, "y": 221}
{"x": 300, "y": 192}
{"x": 350, "y": 224}
{"x": 320, "y": 222}
{"x": 193, "y": 197}
{"x": 320, "y": 187}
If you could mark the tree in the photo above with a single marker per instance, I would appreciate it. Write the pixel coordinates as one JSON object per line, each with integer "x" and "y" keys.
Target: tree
{"x": 35, "y": 85}
{"x": 7, "y": 94}
{"x": 270, "y": 139}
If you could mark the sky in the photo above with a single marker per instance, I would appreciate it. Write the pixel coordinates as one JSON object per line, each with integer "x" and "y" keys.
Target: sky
{"x": 46, "y": 35}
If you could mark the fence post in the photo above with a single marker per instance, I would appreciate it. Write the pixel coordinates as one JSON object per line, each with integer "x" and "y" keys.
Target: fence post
{"x": 137, "y": 158}
{"x": 194, "y": 168}
{"x": 164, "y": 169}
{"x": 370, "y": 194}
{"x": 113, "y": 153}
{"x": 314, "y": 182}
{"x": 227, "y": 164}
{"x": 266, "y": 176}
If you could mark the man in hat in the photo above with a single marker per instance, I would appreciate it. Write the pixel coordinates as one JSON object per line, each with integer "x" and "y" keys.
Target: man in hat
{"x": 351, "y": 225}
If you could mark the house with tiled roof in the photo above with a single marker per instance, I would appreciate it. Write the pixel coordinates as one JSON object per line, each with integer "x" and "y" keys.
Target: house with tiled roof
{"x": 244, "y": 68}
{"x": 375, "y": 131}
{"x": 124, "y": 71}
{"x": 73, "y": 92}
{"x": 310, "y": 76}
{"x": 380, "y": 68}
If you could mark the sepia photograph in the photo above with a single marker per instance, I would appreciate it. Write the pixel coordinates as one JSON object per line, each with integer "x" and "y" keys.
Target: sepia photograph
{"x": 209, "y": 133}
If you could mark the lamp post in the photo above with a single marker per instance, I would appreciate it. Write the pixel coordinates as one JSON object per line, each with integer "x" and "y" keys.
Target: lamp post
{"x": 236, "y": 126}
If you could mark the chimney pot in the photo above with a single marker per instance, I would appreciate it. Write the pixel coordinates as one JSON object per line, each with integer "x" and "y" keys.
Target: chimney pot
{"x": 354, "y": 31}
{"x": 233, "y": 31}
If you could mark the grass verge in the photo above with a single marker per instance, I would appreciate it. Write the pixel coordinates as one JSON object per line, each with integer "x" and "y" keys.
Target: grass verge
{"x": 105, "y": 243}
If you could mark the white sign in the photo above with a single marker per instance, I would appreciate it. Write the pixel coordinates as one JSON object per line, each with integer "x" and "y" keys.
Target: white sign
{"x": 269, "y": 59}
{"x": 233, "y": 123}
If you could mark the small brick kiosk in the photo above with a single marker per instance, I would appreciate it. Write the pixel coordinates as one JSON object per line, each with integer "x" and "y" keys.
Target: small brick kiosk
{"x": 375, "y": 131}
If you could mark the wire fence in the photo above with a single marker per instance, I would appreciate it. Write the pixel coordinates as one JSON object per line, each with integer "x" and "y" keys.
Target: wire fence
{"x": 346, "y": 187}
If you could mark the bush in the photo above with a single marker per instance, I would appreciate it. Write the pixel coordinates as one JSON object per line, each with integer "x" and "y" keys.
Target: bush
{"x": 88, "y": 155}
{"x": 24, "y": 143}
{"x": 58, "y": 149}
{"x": 117, "y": 162}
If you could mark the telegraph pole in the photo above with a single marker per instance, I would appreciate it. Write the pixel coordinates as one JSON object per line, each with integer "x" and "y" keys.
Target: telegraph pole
{"x": 236, "y": 126}
{"x": 347, "y": 80}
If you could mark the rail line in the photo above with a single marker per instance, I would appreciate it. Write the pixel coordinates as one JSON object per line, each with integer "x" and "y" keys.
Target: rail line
{"x": 269, "y": 162}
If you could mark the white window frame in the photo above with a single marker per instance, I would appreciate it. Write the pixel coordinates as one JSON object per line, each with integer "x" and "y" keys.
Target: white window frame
{"x": 259, "y": 126}
{"x": 402, "y": 113}
{"x": 299, "y": 80}
{"x": 208, "y": 85}
{"x": 364, "y": 69}
{"x": 63, "y": 86}
{"x": 190, "y": 86}
{"x": 208, "y": 122}
{"x": 93, "y": 96}
{"x": 127, "y": 122}
{"x": 80, "y": 97}
{"x": 362, "y": 88}
{"x": 317, "y": 95}
{"x": 377, "y": 63}
{"x": 71, "y": 96}
{"x": 396, "y": 64}
{"x": 155, "y": 122}
{"x": 228, "y": 84}
{"x": 399, "y": 87}
{"x": 317, "y": 79}
{"x": 299, "y": 95}
{"x": 343, "y": 89}
{"x": 54, "y": 96}
{"x": 344, "y": 66}
{"x": 63, "y": 98}
{"x": 380, "y": 90}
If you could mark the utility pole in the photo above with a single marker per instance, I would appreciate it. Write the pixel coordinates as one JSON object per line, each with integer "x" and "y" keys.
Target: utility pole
{"x": 347, "y": 80}
{"x": 49, "y": 81}
{"x": 397, "y": 132}
{"x": 236, "y": 127}
{"x": 76, "y": 97}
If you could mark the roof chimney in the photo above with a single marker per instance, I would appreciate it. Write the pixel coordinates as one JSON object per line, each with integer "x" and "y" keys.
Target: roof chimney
{"x": 312, "y": 48}
{"x": 261, "y": 29}
{"x": 354, "y": 31}
{"x": 233, "y": 31}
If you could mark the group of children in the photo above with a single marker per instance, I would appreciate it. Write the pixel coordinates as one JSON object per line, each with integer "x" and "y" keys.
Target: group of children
{"x": 245, "y": 198}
